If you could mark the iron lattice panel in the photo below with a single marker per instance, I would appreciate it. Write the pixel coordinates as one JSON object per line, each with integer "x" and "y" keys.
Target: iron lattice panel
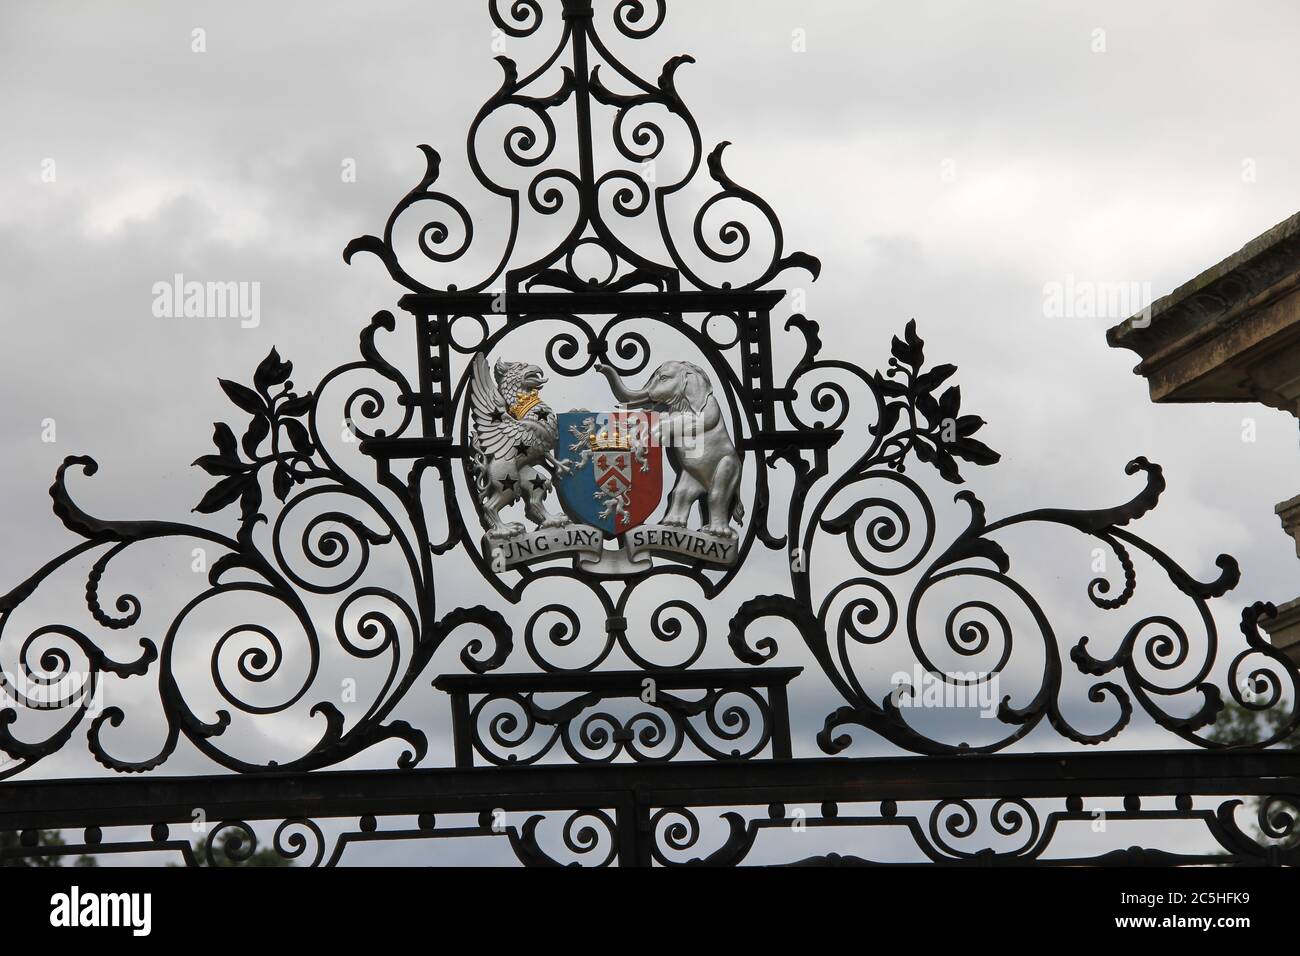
{"x": 325, "y": 528}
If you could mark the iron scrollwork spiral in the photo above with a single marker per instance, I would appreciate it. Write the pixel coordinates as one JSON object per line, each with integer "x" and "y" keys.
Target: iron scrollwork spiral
{"x": 309, "y": 566}
{"x": 334, "y": 564}
{"x": 639, "y": 716}
{"x": 601, "y": 209}
{"x": 887, "y": 527}
{"x": 733, "y": 724}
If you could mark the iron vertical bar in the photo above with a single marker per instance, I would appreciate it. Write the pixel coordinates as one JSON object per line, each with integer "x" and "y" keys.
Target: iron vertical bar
{"x": 578, "y": 12}
{"x": 461, "y": 731}
{"x": 424, "y": 349}
{"x": 763, "y": 346}
{"x": 632, "y": 831}
{"x": 441, "y": 368}
{"x": 779, "y": 703}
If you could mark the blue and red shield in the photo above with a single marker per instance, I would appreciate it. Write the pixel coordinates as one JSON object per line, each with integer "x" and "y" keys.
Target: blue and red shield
{"x": 615, "y": 479}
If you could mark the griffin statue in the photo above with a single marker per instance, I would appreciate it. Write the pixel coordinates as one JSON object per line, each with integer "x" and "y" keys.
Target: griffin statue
{"x": 514, "y": 435}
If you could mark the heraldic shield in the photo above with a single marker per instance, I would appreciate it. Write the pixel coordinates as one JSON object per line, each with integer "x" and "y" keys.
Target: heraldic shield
{"x": 615, "y": 480}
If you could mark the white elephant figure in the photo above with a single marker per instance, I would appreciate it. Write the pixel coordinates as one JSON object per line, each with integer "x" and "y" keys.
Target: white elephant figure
{"x": 692, "y": 431}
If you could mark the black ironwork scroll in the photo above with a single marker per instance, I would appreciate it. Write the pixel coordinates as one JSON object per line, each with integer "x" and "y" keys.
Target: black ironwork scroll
{"x": 729, "y": 445}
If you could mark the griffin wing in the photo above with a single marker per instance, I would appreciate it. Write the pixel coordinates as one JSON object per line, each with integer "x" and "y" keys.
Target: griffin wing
{"x": 540, "y": 435}
{"x": 495, "y": 429}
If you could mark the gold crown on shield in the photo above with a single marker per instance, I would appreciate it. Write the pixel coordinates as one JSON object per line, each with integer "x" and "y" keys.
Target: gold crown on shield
{"x": 617, "y": 441}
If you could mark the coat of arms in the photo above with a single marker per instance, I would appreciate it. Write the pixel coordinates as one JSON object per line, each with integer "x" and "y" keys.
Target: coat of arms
{"x": 615, "y": 481}
{"x": 608, "y": 467}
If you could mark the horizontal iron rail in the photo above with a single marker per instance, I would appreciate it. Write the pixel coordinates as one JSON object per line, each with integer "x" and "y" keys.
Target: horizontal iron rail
{"x": 589, "y": 303}
{"x": 52, "y": 804}
{"x": 618, "y": 681}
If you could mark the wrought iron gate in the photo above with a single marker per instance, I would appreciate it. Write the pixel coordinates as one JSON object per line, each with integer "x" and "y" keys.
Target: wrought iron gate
{"x": 613, "y": 686}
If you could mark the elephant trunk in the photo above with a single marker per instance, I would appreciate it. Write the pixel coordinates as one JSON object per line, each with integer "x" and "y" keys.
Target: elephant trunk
{"x": 626, "y": 395}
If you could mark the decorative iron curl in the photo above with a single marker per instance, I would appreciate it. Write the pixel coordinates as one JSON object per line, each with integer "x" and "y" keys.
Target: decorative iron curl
{"x": 1007, "y": 817}
{"x": 525, "y": 17}
{"x": 631, "y": 19}
{"x": 529, "y": 144}
{"x": 294, "y": 836}
{"x": 677, "y": 832}
{"x": 919, "y": 417}
{"x": 513, "y": 728}
{"x": 583, "y": 835}
{"x": 282, "y": 451}
{"x": 238, "y": 847}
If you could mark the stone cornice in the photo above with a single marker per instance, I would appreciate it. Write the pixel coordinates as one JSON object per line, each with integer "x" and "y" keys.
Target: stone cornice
{"x": 1229, "y": 335}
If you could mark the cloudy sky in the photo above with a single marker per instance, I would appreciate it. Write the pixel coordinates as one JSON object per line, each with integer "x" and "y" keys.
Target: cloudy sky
{"x": 946, "y": 161}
